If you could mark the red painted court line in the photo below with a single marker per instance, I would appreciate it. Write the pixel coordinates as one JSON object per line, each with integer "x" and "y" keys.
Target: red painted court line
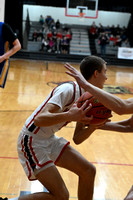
{"x": 2, "y": 157}
{"x": 97, "y": 163}
{"x": 121, "y": 164}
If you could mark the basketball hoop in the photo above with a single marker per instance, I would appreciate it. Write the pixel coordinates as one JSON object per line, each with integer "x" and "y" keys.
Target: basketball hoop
{"x": 82, "y": 9}
{"x": 81, "y": 14}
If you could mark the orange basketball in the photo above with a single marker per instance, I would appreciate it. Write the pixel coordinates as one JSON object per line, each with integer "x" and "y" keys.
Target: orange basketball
{"x": 99, "y": 111}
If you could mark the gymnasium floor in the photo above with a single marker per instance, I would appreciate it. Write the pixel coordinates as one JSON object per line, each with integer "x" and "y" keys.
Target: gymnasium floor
{"x": 28, "y": 83}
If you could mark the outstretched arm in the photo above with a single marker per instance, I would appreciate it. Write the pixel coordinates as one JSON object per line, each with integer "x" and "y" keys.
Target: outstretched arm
{"x": 112, "y": 102}
{"x": 121, "y": 126}
{"x": 16, "y": 47}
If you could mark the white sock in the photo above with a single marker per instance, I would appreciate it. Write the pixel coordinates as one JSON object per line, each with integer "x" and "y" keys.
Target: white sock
{"x": 14, "y": 198}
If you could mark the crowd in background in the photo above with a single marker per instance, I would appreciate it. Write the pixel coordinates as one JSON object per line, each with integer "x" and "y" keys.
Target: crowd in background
{"x": 56, "y": 39}
{"x": 53, "y": 37}
{"x": 115, "y": 36}
{"x": 110, "y": 35}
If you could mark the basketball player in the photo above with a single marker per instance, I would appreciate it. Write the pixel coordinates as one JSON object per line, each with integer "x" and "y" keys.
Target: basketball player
{"x": 9, "y": 45}
{"x": 40, "y": 150}
{"x": 114, "y": 103}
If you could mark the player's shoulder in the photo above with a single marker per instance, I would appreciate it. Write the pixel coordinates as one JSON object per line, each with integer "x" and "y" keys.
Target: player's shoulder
{"x": 8, "y": 33}
{"x": 67, "y": 85}
{"x": 6, "y": 26}
{"x": 65, "y": 88}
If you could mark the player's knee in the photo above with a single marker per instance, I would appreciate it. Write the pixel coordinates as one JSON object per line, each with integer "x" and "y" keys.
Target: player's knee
{"x": 90, "y": 172}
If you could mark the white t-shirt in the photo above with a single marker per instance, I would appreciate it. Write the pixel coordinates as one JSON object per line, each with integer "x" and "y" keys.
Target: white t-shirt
{"x": 64, "y": 96}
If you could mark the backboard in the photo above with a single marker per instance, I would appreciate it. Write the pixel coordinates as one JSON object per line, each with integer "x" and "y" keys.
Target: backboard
{"x": 82, "y": 8}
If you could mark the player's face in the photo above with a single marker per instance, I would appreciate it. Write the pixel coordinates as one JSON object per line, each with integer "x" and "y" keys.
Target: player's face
{"x": 102, "y": 77}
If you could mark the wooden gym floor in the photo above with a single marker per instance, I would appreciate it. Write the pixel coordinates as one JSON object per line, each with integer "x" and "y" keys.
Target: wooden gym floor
{"x": 28, "y": 83}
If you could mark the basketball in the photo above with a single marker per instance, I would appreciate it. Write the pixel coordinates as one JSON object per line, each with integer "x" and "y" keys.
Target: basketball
{"x": 99, "y": 111}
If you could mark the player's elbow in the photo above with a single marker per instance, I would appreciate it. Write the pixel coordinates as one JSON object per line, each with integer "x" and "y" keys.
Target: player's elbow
{"x": 18, "y": 46}
{"x": 121, "y": 110}
{"x": 122, "y": 107}
{"x": 36, "y": 121}
{"x": 76, "y": 141}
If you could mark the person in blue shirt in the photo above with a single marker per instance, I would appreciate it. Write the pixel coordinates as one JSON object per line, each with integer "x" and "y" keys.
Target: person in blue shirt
{"x": 9, "y": 45}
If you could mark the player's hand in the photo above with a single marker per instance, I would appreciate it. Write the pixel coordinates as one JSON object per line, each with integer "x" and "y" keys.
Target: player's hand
{"x": 102, "y": 125}
{"x": 79, "y": 114}
{"x": 76, "y": 74}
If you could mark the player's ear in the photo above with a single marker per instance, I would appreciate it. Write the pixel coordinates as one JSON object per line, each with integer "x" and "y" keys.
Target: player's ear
{"x": 95, "y": 73}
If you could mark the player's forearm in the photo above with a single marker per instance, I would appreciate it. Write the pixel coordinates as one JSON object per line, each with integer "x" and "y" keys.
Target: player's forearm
{"x": 112, "y": 102}
{"x": 118, "y": 127}
{"x": 49, "y": 119}
{"x": 13, "y": 50}
{"x": 83, "y": 134}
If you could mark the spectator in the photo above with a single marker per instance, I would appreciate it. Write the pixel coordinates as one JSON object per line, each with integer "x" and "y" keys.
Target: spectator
{"x": 64, "y": 45}
{"x": 58, "y": 45}
{"x": 45, "y": 44}
{"x": 68, "y": 35}
{"x": 100, "y": 29}
{"x": 49, "y": 35}
{"x": 108, "y": 31}
{"x": 41, "y": 20}
{"x": 48, "y": 20}
{"x": 113, "y": 31}
{"x": 59, "y": 35}
{"x": 51, "y": 45}
{"x": 111, "y": 40}
{"x": 52, "y": 25}
{"x": 93, "y": 31}
{"x": 34, "y": 35}
{"x": 118, "y": 41}
{"x": 118, "y": 30}
{"x": 103, "y": 40}
{"x": 125, "y": 43}
{"x": 54, "y": 35}
{"x": 57, "y": 24}
{"x": 40, "y": 35}
{"x": 124, "y": 34}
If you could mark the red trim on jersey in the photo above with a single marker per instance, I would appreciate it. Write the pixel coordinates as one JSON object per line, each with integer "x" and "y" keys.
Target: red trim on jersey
{"x": 73, "y": 94}
{"x": 38, "y": 128}
{"x": 28, "y": 170}
{"x": 23, "y": 149}
{"x": 34, "y": 156}
{"x": 61, "y": 152}
{"x": 40, "y": 108}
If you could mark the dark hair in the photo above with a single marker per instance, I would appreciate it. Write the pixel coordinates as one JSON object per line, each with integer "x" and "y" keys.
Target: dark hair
{"x": 89, "y": 64}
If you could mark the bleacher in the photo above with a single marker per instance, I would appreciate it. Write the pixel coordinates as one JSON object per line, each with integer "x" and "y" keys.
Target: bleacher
{"x": 79, "y": 44}
{"x": 110, "y": 49}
